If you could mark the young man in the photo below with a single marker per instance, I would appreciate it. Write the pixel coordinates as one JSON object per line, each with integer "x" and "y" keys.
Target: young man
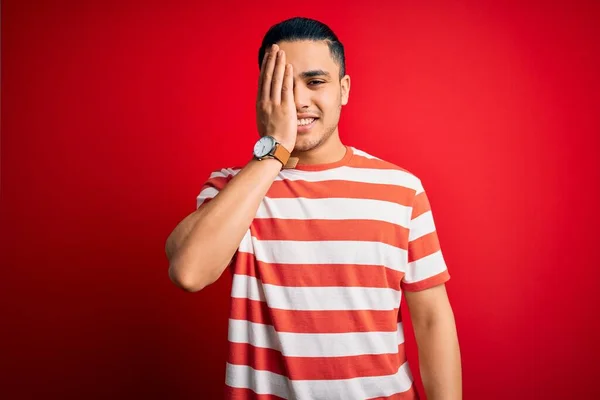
{"x": 322, "y": 239}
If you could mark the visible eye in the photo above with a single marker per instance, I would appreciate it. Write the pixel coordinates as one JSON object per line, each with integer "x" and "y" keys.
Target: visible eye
{"x": 315, "y": 82}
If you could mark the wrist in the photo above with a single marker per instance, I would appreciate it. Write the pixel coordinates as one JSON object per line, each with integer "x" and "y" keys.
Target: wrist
{"x": 269, "y": 146}
{"x": 288, "y": 146}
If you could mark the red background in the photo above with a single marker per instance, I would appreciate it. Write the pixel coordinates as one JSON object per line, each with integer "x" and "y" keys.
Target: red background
{"x": 114, "y": 113}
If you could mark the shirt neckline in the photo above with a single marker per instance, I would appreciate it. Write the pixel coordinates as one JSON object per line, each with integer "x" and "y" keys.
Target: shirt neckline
{"x": 322, "y": 167}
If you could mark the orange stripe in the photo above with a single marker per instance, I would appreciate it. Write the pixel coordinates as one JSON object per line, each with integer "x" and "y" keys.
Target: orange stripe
{"x": 420, "y": 205}
{"x": 329, "y": 321}
{"x": 343, "y": 189}
{"x": 232, "y": 393}
{"x": 359, "y": 161}
{"x": 432, "y": 281}
{"x": 218, "y": 182}
{"x": 318, "y": 275}
{"x": 316, "y": 368}
{"x": 322, "y": 229}
{"x": 423, "y": 246}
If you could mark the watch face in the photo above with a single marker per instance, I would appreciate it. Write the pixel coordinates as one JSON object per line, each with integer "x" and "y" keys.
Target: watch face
{"x": 263, "y": 146}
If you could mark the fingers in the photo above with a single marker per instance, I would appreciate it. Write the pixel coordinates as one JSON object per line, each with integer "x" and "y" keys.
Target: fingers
{"x": 262, "y": 73}
{"x": 273, "y": 79}
{"x": 277, "y": 80}
{"x": 287, "y": 90}
{"x": 267, "y": 74}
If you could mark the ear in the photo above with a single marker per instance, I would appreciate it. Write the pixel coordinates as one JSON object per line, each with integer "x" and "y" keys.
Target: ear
{"x": 345, "y": 89}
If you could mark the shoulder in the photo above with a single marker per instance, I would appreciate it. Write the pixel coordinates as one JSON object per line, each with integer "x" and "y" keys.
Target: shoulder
{"x": 398, "y": 174}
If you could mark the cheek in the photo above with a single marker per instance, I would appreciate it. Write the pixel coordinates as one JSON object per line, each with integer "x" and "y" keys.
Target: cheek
{"x": 328, "y": 102}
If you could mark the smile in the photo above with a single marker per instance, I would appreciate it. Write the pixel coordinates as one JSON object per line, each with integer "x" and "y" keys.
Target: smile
{"x": 306, "y": 124}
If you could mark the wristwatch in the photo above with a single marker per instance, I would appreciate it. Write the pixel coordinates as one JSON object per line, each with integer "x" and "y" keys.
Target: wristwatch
{"x": 269, "y": 147}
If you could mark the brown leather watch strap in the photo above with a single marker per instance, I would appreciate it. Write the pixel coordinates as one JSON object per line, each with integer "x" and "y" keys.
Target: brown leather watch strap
{"x": 292, "y": 162}
{"x": 282, "y": 154}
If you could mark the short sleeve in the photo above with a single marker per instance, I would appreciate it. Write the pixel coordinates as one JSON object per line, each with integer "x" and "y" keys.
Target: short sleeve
{"x": 213, "y": 185}
{"x": 211, "y": 188}
{"x": 426, "y": 265}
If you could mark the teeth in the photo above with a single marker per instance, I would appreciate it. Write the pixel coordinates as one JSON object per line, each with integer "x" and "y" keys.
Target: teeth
{"x": 305, "y": 121}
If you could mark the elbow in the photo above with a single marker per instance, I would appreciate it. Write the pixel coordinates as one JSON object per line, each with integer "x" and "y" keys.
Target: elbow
{"x": 180, "y": 273}
{"x": 187, "y": 281}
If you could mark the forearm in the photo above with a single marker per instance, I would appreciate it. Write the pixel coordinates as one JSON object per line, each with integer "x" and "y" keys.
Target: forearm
{"x": 201, "y": 246}
{"x": 439, "y": 358}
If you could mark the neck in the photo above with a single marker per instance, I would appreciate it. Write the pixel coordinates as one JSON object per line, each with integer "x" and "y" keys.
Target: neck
{"x": 330, "y": 151}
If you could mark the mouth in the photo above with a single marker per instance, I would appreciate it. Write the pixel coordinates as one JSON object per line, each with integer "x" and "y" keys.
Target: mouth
{"x": 306, "y": 124}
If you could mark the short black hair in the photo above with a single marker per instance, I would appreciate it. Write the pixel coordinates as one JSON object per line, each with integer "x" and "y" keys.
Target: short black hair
{"x": 301, "y": 28}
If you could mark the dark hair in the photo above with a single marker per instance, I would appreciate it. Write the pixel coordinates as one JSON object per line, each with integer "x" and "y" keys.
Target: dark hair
{"x": 299, "y": 28}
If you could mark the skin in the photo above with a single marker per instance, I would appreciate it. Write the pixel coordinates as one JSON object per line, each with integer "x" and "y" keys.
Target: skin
{"x": 437, "y": 342}
{"x": 317, "y": 89}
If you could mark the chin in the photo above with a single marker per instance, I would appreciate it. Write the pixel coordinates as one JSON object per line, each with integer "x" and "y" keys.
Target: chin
{"x": 308, "y": 142}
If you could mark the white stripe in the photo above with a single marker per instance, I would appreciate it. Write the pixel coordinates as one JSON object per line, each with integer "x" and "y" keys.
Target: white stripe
{"x": 334, "y": 209}
{"x": 395, "y": 177}
{"x": 425, "y": 267}
{"x": 246, "y": 243}
{"x": 419, "y": 187}
{"x": 364, "y": 154}
{"x": 247, "y": 287}
{"x": 224, "y": 173}
{"x": 421, "y": 226}
{"x": 207, "y": 193}
{"x": 260, "y": 382}
{"x": 327, "y": 208}
{"x": 330, "y": 252}
{"x": 315, "y": 298}
{"x": 400, "y": 333}
{"x": 211, "y": 192}
{"x": 265, "y": 382}
{"x": 292, "y": 344}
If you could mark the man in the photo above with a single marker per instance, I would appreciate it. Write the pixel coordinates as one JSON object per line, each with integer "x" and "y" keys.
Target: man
{"x": 322, "y": 239}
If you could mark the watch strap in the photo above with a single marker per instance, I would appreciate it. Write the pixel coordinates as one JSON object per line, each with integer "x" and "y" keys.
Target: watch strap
{"x": 282, "y": 154}
{"x": 292, "y": 162}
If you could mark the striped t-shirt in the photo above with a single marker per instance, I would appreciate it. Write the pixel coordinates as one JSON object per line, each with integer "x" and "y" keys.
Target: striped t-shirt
{"x": 318, "y": 280}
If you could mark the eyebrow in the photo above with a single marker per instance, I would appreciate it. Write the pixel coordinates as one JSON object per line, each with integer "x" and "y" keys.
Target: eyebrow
{"x": 314, "y": 73}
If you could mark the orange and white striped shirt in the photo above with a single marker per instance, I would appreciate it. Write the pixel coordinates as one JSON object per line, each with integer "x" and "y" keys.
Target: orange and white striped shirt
{"x": 318, "y": 281}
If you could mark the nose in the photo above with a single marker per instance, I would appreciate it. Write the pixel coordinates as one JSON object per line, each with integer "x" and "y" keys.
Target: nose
{"x": 302, "y": 96}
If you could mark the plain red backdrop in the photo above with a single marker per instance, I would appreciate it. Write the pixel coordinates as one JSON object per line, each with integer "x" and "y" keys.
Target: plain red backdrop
{"x": 114, "y": 113}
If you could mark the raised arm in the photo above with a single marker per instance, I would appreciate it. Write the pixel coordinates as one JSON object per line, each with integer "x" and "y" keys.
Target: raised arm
{"x": 203, "y": 243}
